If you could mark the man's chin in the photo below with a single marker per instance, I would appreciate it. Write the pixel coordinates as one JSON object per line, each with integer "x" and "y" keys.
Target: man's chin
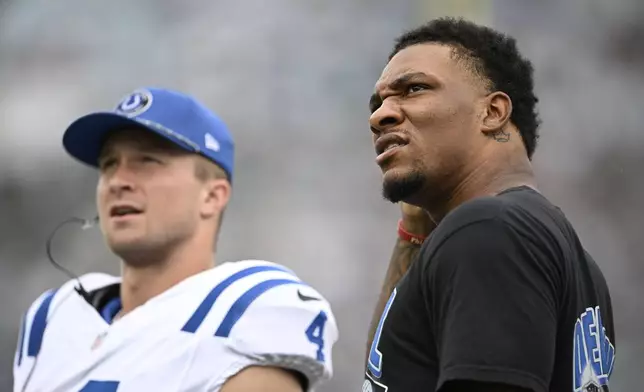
{"x": 398, "y": 186}
{"x": 127, "y": 246}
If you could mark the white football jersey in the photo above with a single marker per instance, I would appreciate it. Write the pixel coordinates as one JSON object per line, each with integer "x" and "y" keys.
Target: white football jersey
{"x": 192, "y": 337}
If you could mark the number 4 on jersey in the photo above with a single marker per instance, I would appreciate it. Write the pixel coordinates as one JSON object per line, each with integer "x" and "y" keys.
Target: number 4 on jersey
{"x": 315, "y": 333}
{"x": 375, "y": 356}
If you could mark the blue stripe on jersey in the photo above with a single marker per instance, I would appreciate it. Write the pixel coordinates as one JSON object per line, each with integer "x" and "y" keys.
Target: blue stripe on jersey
{"x": 202, "y": 311}
{"x": 240, "y": 306}
{"x": 38, "y": 325}
{"x": 21, "y": 342}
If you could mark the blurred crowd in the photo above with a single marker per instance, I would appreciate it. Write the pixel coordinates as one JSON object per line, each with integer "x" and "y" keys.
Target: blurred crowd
{"x": 292, "y": 79}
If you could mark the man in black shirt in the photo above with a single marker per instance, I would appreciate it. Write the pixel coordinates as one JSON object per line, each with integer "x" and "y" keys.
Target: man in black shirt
{"x": 501, "y": 296}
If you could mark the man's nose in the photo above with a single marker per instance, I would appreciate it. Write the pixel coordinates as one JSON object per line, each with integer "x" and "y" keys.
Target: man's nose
{"x": 121, "y": 180}
{"x": 388, "y": 115}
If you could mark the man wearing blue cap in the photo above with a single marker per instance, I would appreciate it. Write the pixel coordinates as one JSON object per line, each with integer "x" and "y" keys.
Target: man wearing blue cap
{"x": 172, "y": 321}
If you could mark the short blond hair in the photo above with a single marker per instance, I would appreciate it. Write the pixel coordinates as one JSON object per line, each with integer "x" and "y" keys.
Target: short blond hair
{"x": 205, "y": 170}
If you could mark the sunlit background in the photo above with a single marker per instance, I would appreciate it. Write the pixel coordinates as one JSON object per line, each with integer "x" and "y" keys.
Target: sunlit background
{"x": 292, "y": 79}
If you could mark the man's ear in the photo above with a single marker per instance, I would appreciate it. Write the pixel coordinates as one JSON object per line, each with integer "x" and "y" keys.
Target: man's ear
{"x": 498, "y": 110}
{"x": 215, "y": 197}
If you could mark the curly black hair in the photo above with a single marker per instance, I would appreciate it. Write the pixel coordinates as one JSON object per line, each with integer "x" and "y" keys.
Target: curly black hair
{"x": 495, "y": 57}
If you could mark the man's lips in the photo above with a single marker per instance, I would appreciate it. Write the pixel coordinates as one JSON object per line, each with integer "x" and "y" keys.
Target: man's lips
{"x": 388, "y": 145}
{"x": 122, "y": 210}
{"x": 390, "y": 140}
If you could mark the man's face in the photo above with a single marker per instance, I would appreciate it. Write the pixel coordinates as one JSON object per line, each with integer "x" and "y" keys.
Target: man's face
{"x": 148, "y": 196}
{"x": 426, "y": 112}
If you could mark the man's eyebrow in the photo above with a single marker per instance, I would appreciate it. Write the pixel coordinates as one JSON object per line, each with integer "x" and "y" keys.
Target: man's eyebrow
{"x": 375, "y": 101}
{"x": 403, "y": 79}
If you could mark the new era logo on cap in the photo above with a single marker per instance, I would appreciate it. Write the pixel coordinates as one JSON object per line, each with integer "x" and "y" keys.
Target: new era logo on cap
{"x": 173, "y": 115}
{"x": 212, "y": 143}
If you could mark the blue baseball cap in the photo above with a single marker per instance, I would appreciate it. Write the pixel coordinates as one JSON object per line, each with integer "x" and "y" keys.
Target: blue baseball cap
{"x": 173, "y": 115}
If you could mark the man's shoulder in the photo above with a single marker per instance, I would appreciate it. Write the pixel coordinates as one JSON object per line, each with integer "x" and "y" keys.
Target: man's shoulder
{"x": 480, "y": 211}
{"x": 276, "y": 289}
{"x": 264, "y": 312}
{"x": 236, "y": 277}
{"x": 246, "y": 289}
{"x": 522, "y": 212}
{"x": 266, "y": 276}
{"x": 510, "y": 208}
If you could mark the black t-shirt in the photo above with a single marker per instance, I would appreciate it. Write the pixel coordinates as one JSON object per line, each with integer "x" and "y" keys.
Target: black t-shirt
{"x": 501, "y": 292}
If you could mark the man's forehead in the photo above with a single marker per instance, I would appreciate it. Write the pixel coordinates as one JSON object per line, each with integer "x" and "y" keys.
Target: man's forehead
{"x": 427, "y": 58}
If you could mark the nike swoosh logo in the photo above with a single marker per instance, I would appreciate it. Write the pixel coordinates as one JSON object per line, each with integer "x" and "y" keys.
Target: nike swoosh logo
{"x": 304, "y": 297}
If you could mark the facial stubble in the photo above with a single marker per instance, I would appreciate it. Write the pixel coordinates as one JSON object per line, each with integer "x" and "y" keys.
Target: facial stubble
{"x": 402, "y": 187}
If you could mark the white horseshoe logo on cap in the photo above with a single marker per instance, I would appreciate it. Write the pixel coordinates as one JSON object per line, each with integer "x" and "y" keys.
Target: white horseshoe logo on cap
{"x": 135, "y": 103}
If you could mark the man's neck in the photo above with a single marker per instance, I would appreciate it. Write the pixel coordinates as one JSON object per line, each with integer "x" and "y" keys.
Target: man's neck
{"x": 140, "y": 283}
{"x": 486, "y": 179}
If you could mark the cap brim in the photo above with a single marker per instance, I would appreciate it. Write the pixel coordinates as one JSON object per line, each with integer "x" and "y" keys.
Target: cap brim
{"x": 84, "y": 138}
